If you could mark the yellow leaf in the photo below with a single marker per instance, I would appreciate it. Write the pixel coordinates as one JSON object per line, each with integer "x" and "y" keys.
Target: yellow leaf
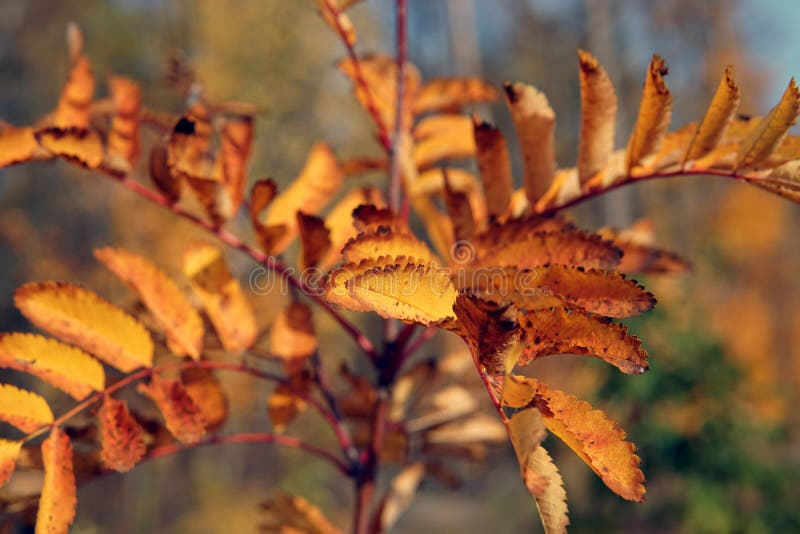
{"x": 443, "y": 137}
{"x": 438, "y": 225}
{"x": 771, "y": 130}
{"x": 598, "y": 117}
{"x": 494, "y": 164}
{"x": 83, "y": 147}
{"x": 400, "y": 494}
{"x": 384, "y": 242}
{"x": 716, "y": 119}
{"x": 413, "y": 293}
{"x": 63, "y": 366}
{"x": 593, "y": 437}
{"x": 161, "y": 295}
{"x": 336, "y": 290}
{"x": 292, "y": 337}
{"x": 552, "y": 503}
{"x": 17, "y": 145}
{"x": 223, "y": 298}
{"x": 76, "y": 96}
{"x": 121, "y": 438}
{"x": 123, "y": 138}
{"x": 23, "y": 409}
{"x": 557, "y": 331}
{"x": 310, "y": 192}
{"x": 283, "y": 405}
{"x": 182, "y": 416}
{"x": 535, "y": 122}
{"x": 446, "y": 94}
{"x": 655, "y": 112}
{"x": 9, "y": 453}
{"x": 58, "y": 500}
{"x": 526, "y": 430}
{"x": 340, "y": 219}
{"x": 81, "y": 317}
{"x": 207, "y": 393}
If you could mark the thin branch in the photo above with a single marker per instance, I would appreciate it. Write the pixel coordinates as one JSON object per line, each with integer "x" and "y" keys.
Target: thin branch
{"x": 396, "y": 178}
{"x": 336, "y": 420}
{"x": 418, "y": 342}
{"x": 489, "y": 384}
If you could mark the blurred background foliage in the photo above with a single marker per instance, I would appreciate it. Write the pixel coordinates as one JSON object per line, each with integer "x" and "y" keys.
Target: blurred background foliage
{"x": 715, "y": 417}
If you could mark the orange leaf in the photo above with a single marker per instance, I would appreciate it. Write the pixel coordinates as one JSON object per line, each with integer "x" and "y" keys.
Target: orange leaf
{"x": 123, "y": 138}
{"x": 17, "y": 145}
{"x": 9, "y": 454}
{"x": 292, "y": 337}
{"x": 82, "y": 147}
{"x": 121, "y": 437}
{"x": 443, "y": 137}
{"x": 283, "y": 405}
{"x": 23, "y": 409}
{"x": 448, "y": 94}
{"x": 384, "y": 242}
{"x": 458, "y": 207}
{"x": 236, "y": 143}
{"x": 58, "y": 500}
{"x": 598, "y": 116}
{"x": 716, "y": 119}
{"x": 340, "y": 220}
{"x": 495, "y": 166}
{"x": 655, "y": 112}
{"x": 556, "y": 331}
{"x": 182, "y": 416}
{"x": 161, "y": 175}
{"x": 207, "y": 393}
{"x": 315, "y": 239}
{"x": 76, "y": 96}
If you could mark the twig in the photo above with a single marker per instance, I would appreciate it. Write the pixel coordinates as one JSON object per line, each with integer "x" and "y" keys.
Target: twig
{"x": 336, "y": 422}
{"x": 418, "y": 342}
{"x": 395, "y": 178}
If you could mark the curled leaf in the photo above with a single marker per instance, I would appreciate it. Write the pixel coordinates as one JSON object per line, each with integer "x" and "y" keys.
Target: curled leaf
{"x": 82, "y": 147}
{"x": 121, "y": 438}
{"x": 716, "y": 119}
{"x": 58, "y": 499}
{"x": 182, "y": 416}
{"x": 448, "y": 94}
{"x": 23, "y": 409}
{"x": 598, "y": 116}
{"x": 494, "y": 164}
{"x": 207, "y": 393}
{"x": 655, "y": 111}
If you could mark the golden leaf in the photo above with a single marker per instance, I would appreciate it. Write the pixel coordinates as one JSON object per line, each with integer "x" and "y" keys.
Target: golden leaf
{"x": 448, "y": 94}
{"x": 62, "y": 366}
{"x": 236, "y": 143}
{"x": 23, "y": 409}
{"x": 384, "y": 242}
{"x": 443, "y": 137}
{"x": 556, "y": 331}
{"x": 535, "y": 123}
{"x": 292, "y": 337}
{"x": 161, "y": 295}
{"x": 771, "y": 130}
{"x": 310, "y": 192}
{"x": 81, "y": 317}
{"x": 336, "y": 290}
{"x": 161, "y": 175}
{"x": 283, "y": 405}
{"x": 431, "y": 182}
{"x": 655, "y": 112}
{"x": 182, "y": 416}
{"x": 289, "y": 514}
{"x": 73, "y": 106}
{"x": 598, "y": 117}
{"x": 526, "y": 430}
{"x": 207, "y": 393}
{"x": 123, "y": 138}
{"x": 83, "y": 147}
{"x": 189, "y": 145}
{"x": 9, "y": 453}
{"x": 552, "y": 503}
{"x": 458, "y": 207}
{"x": 58, "y": 500}
{"x": 400, "y": 494}
{"x": 315, "y": 239}
{"x": 17, "y": 145}
{"x": 223, "y": 298}
{"x": 716, "y": 119}
{"x": 121, "y": 437}
{"x": 340, "y": 219}
{"x": 494, "y": 164}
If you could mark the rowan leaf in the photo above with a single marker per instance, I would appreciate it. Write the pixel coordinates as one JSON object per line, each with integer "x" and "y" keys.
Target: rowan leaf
{"x": 771, "y": 130}
{"x": 431, "y": 182}
{"x": 526, "y": 430}
{"x": 73, "y": 106}
{"x": 283, "y": 405}
{"x": 9, "y": 454}
{"x": 716, "y": 119}
{"x": 121, "y": 438}
{"x": 384, "y": 242}
{"x": 414, "y": 293}
{"x": 17, "y": 145}
{"x": 557, "y": 331}
{"x": 207, "y": 393}
{"x": 448, "y": 94}
{"x": 655, "y": 111}
{"x": 62, "y": 366}
{"x": 458, "y": 207}
{"x": 552, "y": 503}
{"x": 23, "y": 409}
{"x": 309, "y": 192}
{"x": 592, "y": 436}
{"x": 123, "y": 138}
{"x": 292, "y": 337}
{"x": 83, "y": 318}
{"x": 161, "y": 295}
{"x": 181, "y": 414}
{"x": 534, "y": 121}
{"x": 236, "y": 143}
{"x": 161, "y": 175}
{"x": 400, "y": 494}
{"x": 340, "y": 221}
{"x": 443, "y": 138}
{"x": 82, "y": 147}
{"x": 494, "y": 164}
{"x": 58, "y": 499}
{"x": 598, "y": 117}
{"x": 487, "y": 328}
{"x": 499, "y": 234}
{"x": 315, "y": 239}
{"x": 336, "y": 290}
{"x": 222, "y": 296}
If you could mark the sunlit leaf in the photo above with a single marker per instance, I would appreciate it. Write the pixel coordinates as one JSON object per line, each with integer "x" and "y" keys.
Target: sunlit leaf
{"x": 123, "y": 138}
{"x": 9, "y": 453}
{"x": 16, "y": 145}
{"x": 83, "y": 147}
{"x": 448, "y": 94}
{"x": 494, "y": 164}
{"x": 655, "y": 111}
{"x": 716, "y": 119}
{"x": 384, "y": 242}
{"x": 401, "y": 493}
{"x": 598, "y": 116}
{"x": 443, "y": 137}
{"x": 23, "y": 409}
{"x": 58, "y": 499}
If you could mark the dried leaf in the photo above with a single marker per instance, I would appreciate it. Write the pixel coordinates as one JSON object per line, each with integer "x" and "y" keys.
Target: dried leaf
{"x": 161, "y": 175}
{"x": 283, "y": 405}
{"x": 17, "y": 145}
{"x": 73, "y": 106}
{"x": 207, "y": 393}
{"x": 9, "y": 453}
{"x": 62, "y": 366}
{"x": 236, "y": 143}
{"x": 123, "y": 138}
{"x": 400, "y": 494}
{"x": 655, "y": 112}
{"x": 58, "y": 499}
{"x": 315, "y": 239}
{"x": 448, "y": 94}
{"x": 336, "y": 289}
{"x": 495, "y": 166}
{"x": 552, "y": 503}
{"x": 771, "y": 130}
{"x": 311, "y": 191}
{"x": 223, "y": 298}
{"x": 598, "y": 117}
{"x": 486, "y": 328}
{"x": 182, "y": 416}
{"x": 384, "y": 242}
{"x": 340, "y": 220}
{"x": 535, "y": 122}
{"x": 121, "y": 437}
{"x": 460, "y": 212}
{"x": 431, "y": 182}
{"x": 557, "y": 331}
{"x": 638, "y": 254}
{"x": 716, "y": 119}
{"x": 292, "y": 337}
{"x": 443, "y": 137}
{"x": 83, "y": 318}
{"x": 23, "y": 409}
{"x": 261, "y": 194}
{"x": 82, "y": 147}
{"x": 161, "y": 295}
